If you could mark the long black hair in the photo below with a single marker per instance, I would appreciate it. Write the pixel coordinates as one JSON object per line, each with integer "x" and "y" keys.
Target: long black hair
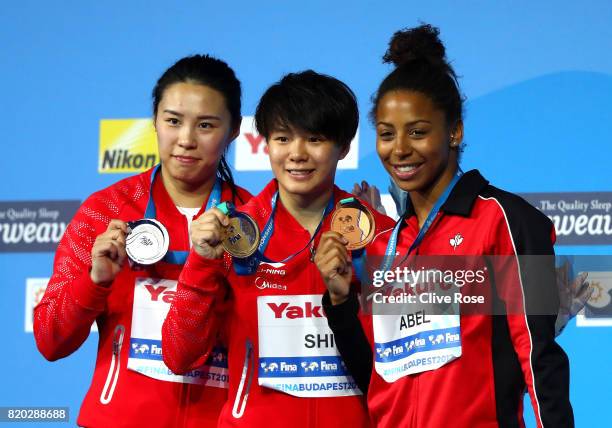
{"x": 216, "y": 74}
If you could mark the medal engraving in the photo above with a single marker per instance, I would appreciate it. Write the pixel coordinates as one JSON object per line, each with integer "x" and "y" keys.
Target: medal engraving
{"x": 147, "y": 241}
{"x": 241, "y": 236}
{"x": 355, "y": 223}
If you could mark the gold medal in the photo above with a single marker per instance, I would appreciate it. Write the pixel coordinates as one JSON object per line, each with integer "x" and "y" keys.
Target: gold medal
{"x": 354, "y": 222}
{"x": 241, "y": 236}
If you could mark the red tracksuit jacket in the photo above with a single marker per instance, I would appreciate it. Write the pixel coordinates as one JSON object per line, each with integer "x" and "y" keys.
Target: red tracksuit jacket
{"x": 284, "y": 370}
{"x": 118, "y": 396}
{"x": 502, "y": 355}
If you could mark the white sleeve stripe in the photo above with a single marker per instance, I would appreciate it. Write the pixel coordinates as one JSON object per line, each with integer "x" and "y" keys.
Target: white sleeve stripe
{"x": 535, "y": 393}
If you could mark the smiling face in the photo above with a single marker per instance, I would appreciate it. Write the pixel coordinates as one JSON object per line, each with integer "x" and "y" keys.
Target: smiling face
{"x": 304, "y": 164}
{"x": 193, "y": 128}
{"x": 414, "y": 142}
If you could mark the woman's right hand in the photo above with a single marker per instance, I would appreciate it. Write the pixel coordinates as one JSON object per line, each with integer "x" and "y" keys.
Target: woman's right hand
{"x": 108, "y": 253}
{"x": 333, "y": 261}
{"x": 207, "y": 233}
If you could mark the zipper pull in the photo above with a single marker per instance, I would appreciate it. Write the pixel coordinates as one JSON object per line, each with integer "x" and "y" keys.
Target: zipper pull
{"x": 118, "y": 339}
{"x": 313, "y": 252}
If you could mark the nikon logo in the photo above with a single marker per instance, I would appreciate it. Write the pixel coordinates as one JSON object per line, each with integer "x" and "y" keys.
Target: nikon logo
{"x": 127, "y": 145}
{"x": 124, "y": 160}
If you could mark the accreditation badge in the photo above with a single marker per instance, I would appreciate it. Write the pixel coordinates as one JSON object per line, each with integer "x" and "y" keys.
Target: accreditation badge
{"x": 414, "y": 342}
{"x": 297, "y": 352}
{"x": 152, "y": 299}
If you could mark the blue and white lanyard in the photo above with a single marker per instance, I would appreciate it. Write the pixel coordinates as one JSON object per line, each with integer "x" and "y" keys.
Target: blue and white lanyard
{"x": 392, "y": 244}
{"x": 179, "y": 257}
{"x": 249, "y": 265}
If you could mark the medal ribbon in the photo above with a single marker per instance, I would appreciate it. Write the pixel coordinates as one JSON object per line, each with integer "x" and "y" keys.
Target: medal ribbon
{"x": 248, "y": 266}
{"x": 392, "y": 244}
{"x": 179, "y": 257}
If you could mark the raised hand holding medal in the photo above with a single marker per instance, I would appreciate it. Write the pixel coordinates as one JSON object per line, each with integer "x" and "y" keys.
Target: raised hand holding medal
{"x": 352, "y": 228}
{"x": 354, "y": 222}
{"x": 247, "y": 245}
{"x": 241, "y": 236}
{"x": 108, "y": 253}
{"x": 147, "y": 240}
{"x": 207, "y": 232}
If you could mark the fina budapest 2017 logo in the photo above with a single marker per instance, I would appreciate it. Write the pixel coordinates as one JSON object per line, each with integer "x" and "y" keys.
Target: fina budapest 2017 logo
{"x": 598, "y": 309}
{"x": 34, "y": 226}
{"x": 251, "y": 151}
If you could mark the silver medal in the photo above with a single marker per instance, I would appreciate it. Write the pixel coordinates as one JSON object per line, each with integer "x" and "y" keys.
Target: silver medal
{"x": 147, "y": 241}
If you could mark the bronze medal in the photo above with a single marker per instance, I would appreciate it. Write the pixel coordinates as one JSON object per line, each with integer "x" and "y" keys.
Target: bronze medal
{"x": 354, "y": 222}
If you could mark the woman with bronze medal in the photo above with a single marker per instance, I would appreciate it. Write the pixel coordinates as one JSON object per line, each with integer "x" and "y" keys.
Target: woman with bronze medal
{"x": 283, "y": 363}
{"x": 121, "y": 255}
{"x": 462, "y": 369}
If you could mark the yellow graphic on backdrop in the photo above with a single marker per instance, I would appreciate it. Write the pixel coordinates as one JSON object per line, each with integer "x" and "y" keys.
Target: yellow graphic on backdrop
{"x": 127, "y": 145}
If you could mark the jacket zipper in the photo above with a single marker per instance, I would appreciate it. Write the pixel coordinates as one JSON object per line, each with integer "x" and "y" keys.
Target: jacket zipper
{"x": 248, "y": 369}
{"x": 113, "y": 372}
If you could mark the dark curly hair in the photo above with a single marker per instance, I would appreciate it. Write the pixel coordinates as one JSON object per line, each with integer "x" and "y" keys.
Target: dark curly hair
{"x": 421, "y": 66}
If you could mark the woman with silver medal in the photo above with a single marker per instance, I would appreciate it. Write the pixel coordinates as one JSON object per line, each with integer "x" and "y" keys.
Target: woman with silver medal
{"x": 119, "y": 260}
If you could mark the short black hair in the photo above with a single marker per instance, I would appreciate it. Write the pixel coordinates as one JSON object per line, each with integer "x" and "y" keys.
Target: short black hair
{"x": 309, "y": 102}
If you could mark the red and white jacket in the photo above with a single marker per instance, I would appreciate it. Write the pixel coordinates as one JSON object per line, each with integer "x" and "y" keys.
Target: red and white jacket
{"x": 502, "y": 356}
{"x": 284, "y": 369}
{"x": 120, "y": 397}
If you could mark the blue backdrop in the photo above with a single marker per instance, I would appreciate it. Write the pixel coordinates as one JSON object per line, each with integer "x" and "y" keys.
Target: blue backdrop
{"x": 538, "y": 79}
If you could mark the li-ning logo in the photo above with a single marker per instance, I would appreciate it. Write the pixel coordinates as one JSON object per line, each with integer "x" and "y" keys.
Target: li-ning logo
{"x": 456, "y": 241}
{"x": 262, "y": 284}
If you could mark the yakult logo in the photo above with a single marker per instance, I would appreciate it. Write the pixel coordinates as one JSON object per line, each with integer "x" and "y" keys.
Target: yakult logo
{"x": 251, "y": 150}
{"x": 285, "y": 310}
{"x": 160, "y": 293}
